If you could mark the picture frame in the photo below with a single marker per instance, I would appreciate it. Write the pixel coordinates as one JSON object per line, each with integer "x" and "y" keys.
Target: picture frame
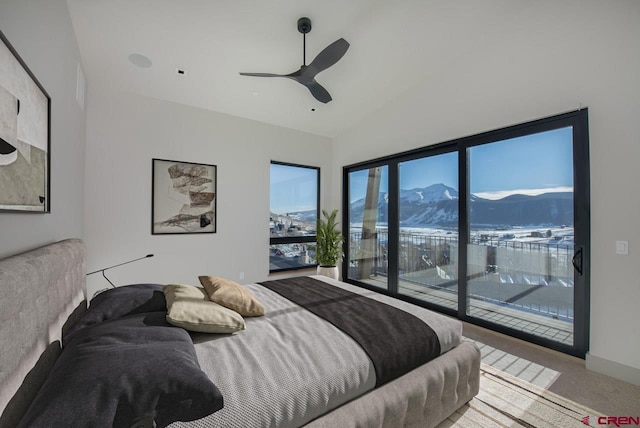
{"x": 183, "y": 197}
{"x": 25, "y": 136}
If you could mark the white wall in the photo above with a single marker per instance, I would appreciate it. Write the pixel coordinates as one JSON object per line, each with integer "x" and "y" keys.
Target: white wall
{"x": 41, "y": 33}
{"x": 124, "y": 132}
{"x": 557, "y": 57}
{"x": 554, "y": 58}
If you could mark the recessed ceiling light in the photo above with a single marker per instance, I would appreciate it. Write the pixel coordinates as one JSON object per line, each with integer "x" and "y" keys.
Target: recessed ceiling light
{"x": 140, "y": 60}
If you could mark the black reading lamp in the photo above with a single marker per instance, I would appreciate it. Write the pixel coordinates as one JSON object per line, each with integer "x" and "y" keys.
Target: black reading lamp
{"x": 111, "y": 267}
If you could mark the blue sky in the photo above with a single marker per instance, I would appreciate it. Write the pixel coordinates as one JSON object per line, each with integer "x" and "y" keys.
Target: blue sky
{"x": 432, "y": 170}
{"x": 293, "y": 189}
{"x": 358, "y": 183}
{"x": 530, "y": 165}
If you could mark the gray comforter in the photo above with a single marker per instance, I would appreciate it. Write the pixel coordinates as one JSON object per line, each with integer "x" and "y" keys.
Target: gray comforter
{"x": 290, "y": 366}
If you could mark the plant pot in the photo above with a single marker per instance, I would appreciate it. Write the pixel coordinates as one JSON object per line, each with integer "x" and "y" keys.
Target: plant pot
{"x": 329, "y": 271}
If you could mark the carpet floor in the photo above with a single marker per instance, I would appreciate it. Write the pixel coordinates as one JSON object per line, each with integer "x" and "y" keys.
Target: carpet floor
{"x": 507, "y": 401}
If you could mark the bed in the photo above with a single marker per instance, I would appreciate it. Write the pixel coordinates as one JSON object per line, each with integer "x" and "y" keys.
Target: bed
{"x": 288, "y": 368}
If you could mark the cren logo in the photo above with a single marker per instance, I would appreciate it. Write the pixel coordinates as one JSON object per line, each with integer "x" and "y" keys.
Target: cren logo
{"x": 619, "y": 420}
{"x": 585, "y": 420}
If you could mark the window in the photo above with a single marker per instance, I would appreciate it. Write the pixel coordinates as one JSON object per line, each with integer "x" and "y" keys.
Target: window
{"x": 491, "y": 228}
{"x": 428, "y": 236}
{"x": 294, "y": 209}
{"x": 368, "y": 242}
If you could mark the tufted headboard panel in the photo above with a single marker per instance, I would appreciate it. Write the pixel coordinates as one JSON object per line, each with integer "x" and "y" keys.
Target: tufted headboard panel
{"x": 41, "y": 290}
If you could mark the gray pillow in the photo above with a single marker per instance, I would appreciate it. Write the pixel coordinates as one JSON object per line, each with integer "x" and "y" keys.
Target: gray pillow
{"x": 120, "y": 372}
{"x": 121, "y": 301}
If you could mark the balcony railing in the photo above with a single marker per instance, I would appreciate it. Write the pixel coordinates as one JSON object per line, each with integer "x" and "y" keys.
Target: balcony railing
{"x": 535, "y": 275}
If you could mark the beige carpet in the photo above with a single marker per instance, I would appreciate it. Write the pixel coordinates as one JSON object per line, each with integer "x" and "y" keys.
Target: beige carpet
{"x": 506, "y": 401}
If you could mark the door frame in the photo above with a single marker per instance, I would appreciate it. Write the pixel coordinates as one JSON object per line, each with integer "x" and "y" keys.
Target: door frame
{"x": 578, "y": 120}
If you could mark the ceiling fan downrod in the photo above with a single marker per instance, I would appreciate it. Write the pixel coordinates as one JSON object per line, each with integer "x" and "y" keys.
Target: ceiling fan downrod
{"x": 304, "y": 26}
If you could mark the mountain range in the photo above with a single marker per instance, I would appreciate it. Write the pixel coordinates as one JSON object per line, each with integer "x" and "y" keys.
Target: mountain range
{"x": 437, "y": 206}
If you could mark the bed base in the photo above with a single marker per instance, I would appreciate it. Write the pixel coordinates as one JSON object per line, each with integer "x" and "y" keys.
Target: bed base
{"x": 422, "y": 398}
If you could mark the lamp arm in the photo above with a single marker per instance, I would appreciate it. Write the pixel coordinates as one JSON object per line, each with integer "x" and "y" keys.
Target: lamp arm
{"x": 130, "y": 261}
{"x": 105, "y": 277}
{"x": 120, "y": 264}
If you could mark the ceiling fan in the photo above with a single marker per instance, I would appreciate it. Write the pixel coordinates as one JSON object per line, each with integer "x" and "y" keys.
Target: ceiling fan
{"x": 307, "y": 73}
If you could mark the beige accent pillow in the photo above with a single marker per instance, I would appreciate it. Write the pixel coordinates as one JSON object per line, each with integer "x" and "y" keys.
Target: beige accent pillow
{"x": 232, "y": 295}
{"x": 189, "y": 307}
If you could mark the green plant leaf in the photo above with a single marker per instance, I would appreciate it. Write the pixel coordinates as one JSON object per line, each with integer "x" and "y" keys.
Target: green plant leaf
{"x": 329, "y": 240}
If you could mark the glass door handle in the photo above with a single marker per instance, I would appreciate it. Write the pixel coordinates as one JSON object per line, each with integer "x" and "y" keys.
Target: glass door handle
{"x": 577, "y": 261}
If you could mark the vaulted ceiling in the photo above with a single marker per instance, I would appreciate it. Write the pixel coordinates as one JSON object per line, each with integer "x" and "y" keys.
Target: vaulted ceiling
{"x": 395, "y": 45}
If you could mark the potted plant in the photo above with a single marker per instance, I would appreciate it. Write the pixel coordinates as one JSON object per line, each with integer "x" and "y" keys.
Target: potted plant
{"x": 329, "y": 245}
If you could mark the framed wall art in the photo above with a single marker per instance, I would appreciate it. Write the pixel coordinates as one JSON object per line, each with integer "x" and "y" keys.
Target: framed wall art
{"x": 183, "y": 198}
{"x": 25, "y": 142}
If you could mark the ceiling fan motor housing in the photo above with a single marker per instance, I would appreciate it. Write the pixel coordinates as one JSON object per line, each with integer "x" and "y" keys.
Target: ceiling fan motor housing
{"x": 304, "y": 25}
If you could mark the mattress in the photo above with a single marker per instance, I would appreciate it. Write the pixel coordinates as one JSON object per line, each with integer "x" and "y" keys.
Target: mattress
{"x": 290, "y": 366}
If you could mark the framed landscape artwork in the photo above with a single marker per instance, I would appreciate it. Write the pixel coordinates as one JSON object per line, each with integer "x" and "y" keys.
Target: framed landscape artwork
{"x": 25, "y": 110}
{"x": 183, "y": 198}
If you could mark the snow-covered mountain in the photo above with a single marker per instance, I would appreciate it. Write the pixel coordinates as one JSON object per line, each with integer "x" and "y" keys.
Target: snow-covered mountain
{"x": 433, "y": 205}
{"x": 427, "y": 195}
{"x": 554, "y": 209}
{"x": 437, "y": 206}
{"x": 309, "y": 215}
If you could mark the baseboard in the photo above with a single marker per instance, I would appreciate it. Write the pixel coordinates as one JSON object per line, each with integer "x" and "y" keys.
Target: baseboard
{"x": 613, "y": 369}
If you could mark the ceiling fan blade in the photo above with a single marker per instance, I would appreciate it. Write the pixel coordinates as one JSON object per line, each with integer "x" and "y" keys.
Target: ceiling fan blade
{"x": 305, "y": 75}
{"x": 318, "y": 91}
{"x": 263, "y": 75}
{"x": 329, "y": 56}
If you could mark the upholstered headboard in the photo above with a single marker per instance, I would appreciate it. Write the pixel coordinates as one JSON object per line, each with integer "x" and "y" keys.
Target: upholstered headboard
{"x": 42, "y": 290}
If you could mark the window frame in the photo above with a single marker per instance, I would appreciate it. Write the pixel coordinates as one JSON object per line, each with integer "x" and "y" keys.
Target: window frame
{"x": 295, "y": 239}
{"x": 578, "y": 119}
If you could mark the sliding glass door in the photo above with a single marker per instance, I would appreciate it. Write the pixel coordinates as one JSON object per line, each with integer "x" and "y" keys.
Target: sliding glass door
{"x": 368, "y": 235}
{"x": 521, "y": 234}
{"x": 491, "y": 228}
{"x": 428, "y": 235}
